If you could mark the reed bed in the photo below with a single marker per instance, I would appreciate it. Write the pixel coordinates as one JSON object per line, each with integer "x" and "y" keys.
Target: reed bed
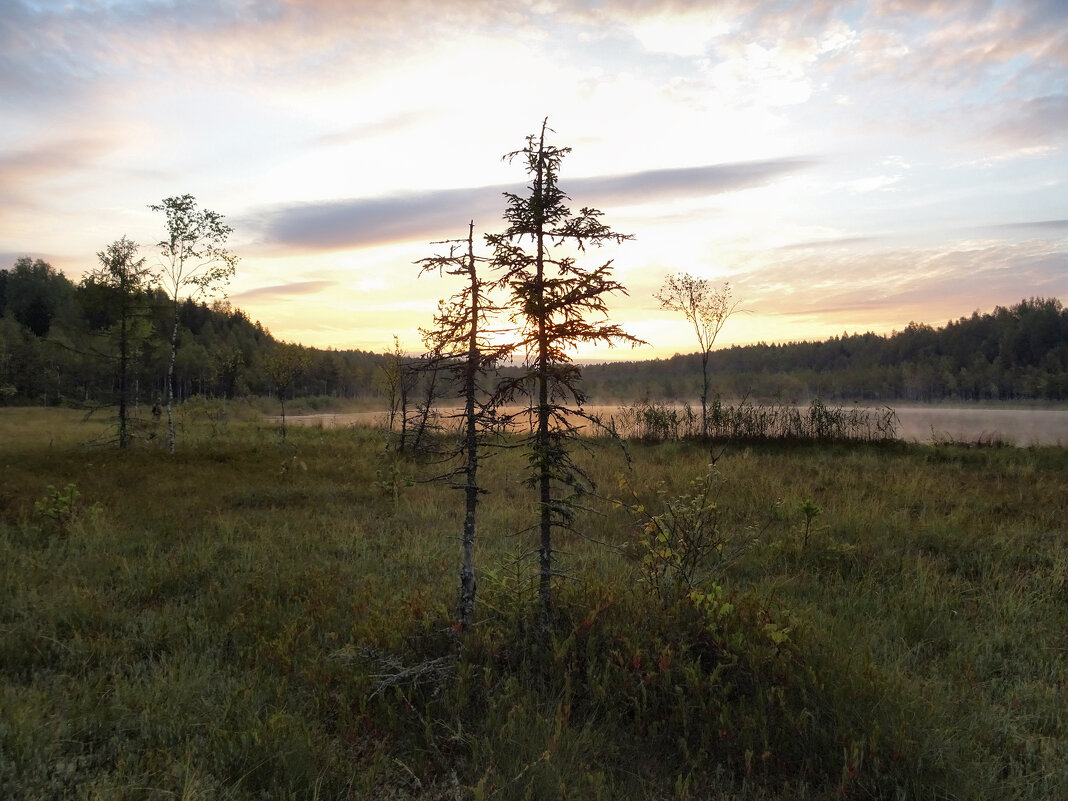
{"x": 751, "y": 422}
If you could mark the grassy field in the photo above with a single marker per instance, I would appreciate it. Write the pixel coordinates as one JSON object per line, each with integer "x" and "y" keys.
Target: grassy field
{"x": 252, "y": 620}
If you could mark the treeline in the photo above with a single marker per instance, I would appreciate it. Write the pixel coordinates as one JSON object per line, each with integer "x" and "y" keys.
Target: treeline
{"x": 1014, "y": 353}
{"x": 57, "y": 347}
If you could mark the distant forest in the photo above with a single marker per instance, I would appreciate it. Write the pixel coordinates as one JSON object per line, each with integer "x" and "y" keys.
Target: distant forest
{"x": 1014, "y": 353}
{"x": 57, "y": 347}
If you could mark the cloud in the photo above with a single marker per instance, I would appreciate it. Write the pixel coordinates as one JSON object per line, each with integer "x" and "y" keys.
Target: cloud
{"x": 823, "y": 244}
{"x": 9, "y": 257}
{"x": 387, "y": 126}
{"x": 921, "y": 279}
{"x": 1045, "y": 225}
{"x": 360, "y": 222}
{"x": 281, "y": 291}
{"x": 874, "y": 183}
{"x": 343, "y": 224}
{"x": 1038, "y": 120}
{"x": 24, "y": 173}
{"x": 687, "y": 181}
{"x": 33, "y": 163}
{"x": 63, "y": 48}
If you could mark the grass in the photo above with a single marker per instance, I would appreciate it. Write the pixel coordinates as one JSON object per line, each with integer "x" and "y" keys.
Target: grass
{"x": 249, "y": 620}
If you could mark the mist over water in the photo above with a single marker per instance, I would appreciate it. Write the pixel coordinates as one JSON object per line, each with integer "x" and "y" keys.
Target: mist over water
{"x": 1021, "y": 427}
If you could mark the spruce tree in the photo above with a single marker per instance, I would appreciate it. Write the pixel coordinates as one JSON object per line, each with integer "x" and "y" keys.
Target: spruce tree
{"x": 556, "y": 305}
{"x": 127, "y": 281}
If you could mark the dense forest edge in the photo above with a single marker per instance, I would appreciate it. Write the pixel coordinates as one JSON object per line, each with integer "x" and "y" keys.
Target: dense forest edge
{"x": 1014, "y": 353}
{"x": 57, "y": 348}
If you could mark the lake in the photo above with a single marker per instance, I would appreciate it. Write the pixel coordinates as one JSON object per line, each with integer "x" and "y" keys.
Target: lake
{"x": 917, "y": 423}
{"x": 1017, "y": 426}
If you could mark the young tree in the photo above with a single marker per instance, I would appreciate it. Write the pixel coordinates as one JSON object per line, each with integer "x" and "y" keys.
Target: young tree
{"x": 557, "y": 305}
{"x": 284, "y": 364}
{"x": 397, "y": 377}
{"x": 431, "y": 391}
{"x": 460, "y": 342}
{"x": 127, "y": 280}
{"x": 707, "y": 309}
{"x": 194, "y": 263}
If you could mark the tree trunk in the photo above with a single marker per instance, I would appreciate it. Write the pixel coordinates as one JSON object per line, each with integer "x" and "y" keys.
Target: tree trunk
{"x": 704, "y": 394}
{"x": 171, "y": 436}
{"x": 545, "y": 552}
{"x": 467, "y": 567}
{"x": 124, "y": 437}
{"x": 403, "y": 409}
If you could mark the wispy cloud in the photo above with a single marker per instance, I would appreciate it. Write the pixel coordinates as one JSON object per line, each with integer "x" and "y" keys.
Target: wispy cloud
{"x": 1041, "y": 225}
{"x": 685, "y": 182}
{"x": 824, "y": 244}
{"x": 282, "y": 291}
{"x": 1036, "y": 121}
{"x": 385, "y": 126}
{"x": 59, "y": 48}
{"x": 25, "y": 172}
{"x": 342, "y": 224}
{"x": 31, "y": 164}
{"x": 919, "y": 279}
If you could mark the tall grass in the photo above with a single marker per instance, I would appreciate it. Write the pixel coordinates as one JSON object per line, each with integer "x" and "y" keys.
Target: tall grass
{"x": 746, "y": 421}
{"x": 256, "y": 620}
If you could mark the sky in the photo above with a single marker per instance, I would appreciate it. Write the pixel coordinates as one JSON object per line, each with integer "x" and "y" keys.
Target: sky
{"x": 845, "y": 166}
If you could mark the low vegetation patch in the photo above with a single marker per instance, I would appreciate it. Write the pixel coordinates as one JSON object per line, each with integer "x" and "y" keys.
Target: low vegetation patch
{"x": 746, "y": 421}
{"x": 255, "y": 619}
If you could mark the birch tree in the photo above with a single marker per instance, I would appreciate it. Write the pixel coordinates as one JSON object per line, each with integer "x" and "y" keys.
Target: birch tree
{"x": 284, "y": 364}
{"x": 556, "y": 305}
{"x": 194, "y": 263}
{"x": 707, "y": 309}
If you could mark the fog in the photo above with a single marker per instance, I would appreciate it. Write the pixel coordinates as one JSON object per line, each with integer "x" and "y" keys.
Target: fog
{"x": 1014, "y": 426}
{"x": 1019, "y": 427}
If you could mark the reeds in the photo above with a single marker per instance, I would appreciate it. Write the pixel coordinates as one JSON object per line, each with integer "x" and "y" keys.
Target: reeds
{"x": 749, "y": 422}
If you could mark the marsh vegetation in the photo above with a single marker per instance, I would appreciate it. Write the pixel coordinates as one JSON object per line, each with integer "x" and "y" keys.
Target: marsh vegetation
{"x": 257, "y": 619}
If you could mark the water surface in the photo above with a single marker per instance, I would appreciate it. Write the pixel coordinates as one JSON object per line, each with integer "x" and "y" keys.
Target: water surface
{"x": 917, "y": 423}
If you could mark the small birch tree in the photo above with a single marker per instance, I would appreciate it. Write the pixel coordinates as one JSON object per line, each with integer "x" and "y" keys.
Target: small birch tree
{"x": 194, "y": 263}
{"x": 284, "y": 365}
{"x": 707, "y": 309}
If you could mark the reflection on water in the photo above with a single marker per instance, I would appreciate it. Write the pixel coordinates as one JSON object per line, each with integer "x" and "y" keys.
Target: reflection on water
{"x": 918, "y": 423}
